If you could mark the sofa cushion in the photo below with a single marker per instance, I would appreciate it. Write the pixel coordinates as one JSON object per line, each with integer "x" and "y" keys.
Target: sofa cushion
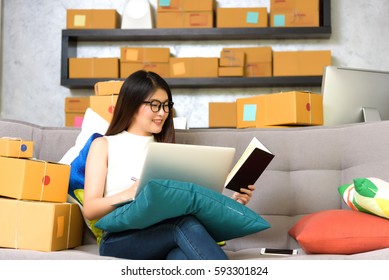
{"x": 92, "y": 123}
{"x": 369, "y": 195}
{"x": 341, "y": 231}
{"x": 223, "y": 217}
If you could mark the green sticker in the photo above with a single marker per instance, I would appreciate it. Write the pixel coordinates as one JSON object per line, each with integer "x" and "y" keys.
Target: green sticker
{"x": 279, "y": 20}
{"x": 249, "y": 112}
{"x": 252, "y": 17}
{"x": 164, "y": 3}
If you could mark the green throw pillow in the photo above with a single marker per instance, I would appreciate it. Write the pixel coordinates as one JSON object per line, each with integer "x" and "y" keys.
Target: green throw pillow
{"x": 223, "y": 217}
{"x": 369, "y": 195}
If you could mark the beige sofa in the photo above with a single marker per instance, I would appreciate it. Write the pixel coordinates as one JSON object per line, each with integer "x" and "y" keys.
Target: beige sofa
{"x": 309, "y": 165}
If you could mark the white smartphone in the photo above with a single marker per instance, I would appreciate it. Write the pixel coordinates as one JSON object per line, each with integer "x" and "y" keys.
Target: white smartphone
{"x": 278, "y": 252}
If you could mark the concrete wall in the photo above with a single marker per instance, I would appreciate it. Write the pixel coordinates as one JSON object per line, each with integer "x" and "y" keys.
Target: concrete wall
{"x": 31, "y": 89}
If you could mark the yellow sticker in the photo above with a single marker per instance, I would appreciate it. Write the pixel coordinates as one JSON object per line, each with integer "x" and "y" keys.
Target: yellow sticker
{"x": 132, "y": 55}
{"x": 60, "y": 226}
{"x": 79, "y": 20}
{"x": 179, "y": 68}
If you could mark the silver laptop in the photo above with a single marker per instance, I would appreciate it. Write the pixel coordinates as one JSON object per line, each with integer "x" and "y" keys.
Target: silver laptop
{"x": 207, "y": 166}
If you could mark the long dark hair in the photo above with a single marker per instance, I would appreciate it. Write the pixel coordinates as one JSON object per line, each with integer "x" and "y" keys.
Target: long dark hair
{"x": 135, "y": 90}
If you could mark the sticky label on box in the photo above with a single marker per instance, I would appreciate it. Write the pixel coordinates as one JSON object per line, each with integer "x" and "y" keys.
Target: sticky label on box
{"x": 132, "y": 55}
{"x": 78, "y": 121}
{"x": 279, "y": 20}
{"x": 60, "y": 226}
{"x": 164, "y": 3}
{"x": 179, "y": 69}
{"x": 249, "y": 112}
{"x": 252, "y": 17}
{"x": 79, "y": 20}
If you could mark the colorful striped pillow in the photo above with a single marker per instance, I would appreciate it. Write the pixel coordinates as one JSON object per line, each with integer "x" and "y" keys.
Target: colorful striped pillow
{"x": 369, "y": 195}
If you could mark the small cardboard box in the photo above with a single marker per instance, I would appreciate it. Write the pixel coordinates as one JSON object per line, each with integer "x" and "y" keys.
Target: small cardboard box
{"x": 194, "y": 67}
{"x": 93, "y": 68}
{"x": 14, "y": 147}
{"x": 107, "y": 88}
{"x": 232, "y": 57}
{"x": 280, "y": 109}
{"x": 185, "y": 20}
{"x": 300, "y": 63}
{"x": 104, "y": 105}
{"x": 185, "y": 5}
{"x": 127, "y": 68}
{"x": 294, "y": 13}
{"x": 236, "y": 71}
{"x": 144, "y": 55}
{"x": 92, "y": 19}
{"x": 42, "y": 226}
{"x": 34, "y": 179}
{"x": 74, "y": 119}
{"x": 222, "y": 114}
{"x": 258, "y": 61}
{"x": 241, "y": 17}
{"x": 76, "y": 104}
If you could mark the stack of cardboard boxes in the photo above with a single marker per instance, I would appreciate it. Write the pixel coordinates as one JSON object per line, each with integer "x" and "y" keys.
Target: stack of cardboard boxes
{"x": 150, "y": 59}
{"x": 268, "y": 110}
{"x": 103, "y": 103}
{"x": 33, "y": 210}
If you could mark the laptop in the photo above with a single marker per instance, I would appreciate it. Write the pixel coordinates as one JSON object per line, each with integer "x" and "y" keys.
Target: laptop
{"x": 207, "y": 166}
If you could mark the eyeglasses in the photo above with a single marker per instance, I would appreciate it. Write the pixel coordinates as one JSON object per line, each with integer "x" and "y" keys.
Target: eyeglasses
{"x": 155, "y": 105}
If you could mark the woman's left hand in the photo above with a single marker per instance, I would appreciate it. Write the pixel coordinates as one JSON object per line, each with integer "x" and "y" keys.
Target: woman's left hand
{"x": 245, "y": 195}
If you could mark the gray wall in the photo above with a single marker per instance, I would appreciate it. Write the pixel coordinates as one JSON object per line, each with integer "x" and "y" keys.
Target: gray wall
{"x": 31, "y": 89}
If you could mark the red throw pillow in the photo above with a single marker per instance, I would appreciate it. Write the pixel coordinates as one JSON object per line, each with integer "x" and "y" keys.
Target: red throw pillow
{"x": 341, "y": 232}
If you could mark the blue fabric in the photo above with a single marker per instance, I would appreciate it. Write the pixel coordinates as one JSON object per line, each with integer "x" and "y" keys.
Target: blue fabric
{"x": 173, "y": 239}
{"x": 77, "y": 180}
{"x": 77, "y": 170}
{"x": 223, "y": 217}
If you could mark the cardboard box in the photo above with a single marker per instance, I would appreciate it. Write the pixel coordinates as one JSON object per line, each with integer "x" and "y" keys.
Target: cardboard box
{"x": 194, "y": 67}
{"x": 185, "y": 20}
{"x": 92, "y": 19}
{"x": 127, "y": 68}
{"x": 76, "y": 104}
{"x": 42, "y": 226}
{"x": 222, "y": 114}
{"x": 185, "y": 5}
{"x": 280, "y": 109}
{"x": 300, "y": 63}
{"x": 107, "y": 88}
{"x": 258, "y": 61}
{"x": 14, "y": 147}
{"x": 74, "y": 119}
{"x": 231, "y": 71}
{"x": 34, "y": 179}
{"x": 104, "y": 105}
{"x": 241, "y": 17}
{"x": 294, "y": 13}
{"x": 144, "y": 55}
{"x": 93, "y": 68}
{"x": 232, "y": 57}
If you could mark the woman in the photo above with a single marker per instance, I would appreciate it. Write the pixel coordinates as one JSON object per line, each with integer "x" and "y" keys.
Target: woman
{"x": 143, "y": 114}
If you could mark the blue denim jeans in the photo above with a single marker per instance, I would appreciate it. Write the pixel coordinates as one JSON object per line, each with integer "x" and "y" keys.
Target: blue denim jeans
{"x": 174, "y": 239}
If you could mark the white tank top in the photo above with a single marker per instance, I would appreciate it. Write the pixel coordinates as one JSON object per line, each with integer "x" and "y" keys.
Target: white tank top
{"x": 126, "y": 155}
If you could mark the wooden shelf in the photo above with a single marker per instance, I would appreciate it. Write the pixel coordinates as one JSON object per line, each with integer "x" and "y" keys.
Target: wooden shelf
{"x": 220, "y": 82}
